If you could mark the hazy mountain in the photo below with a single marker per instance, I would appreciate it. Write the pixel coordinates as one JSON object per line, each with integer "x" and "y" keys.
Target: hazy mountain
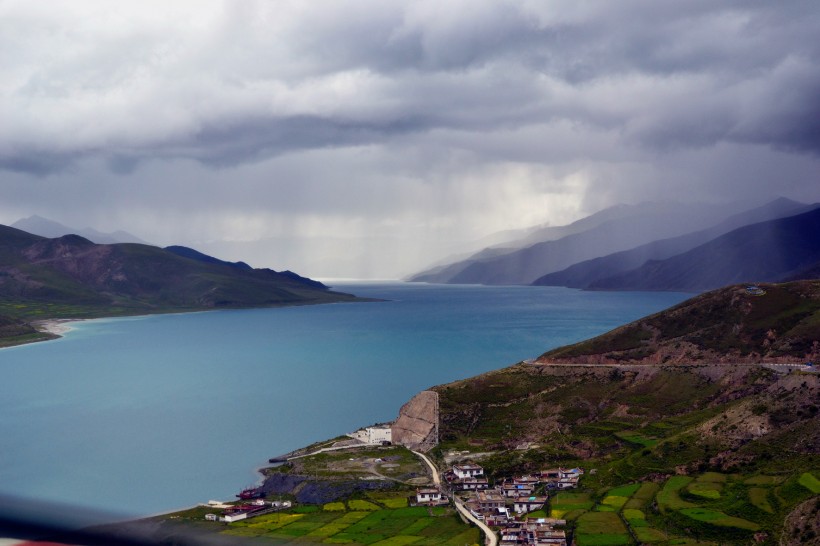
{"x": 763, "y": 252}
{"x": 49, "y": 228}
{"x": 619, "y": 228}
{"x": 127, "y": 278}
{"x": 582, "y": 274}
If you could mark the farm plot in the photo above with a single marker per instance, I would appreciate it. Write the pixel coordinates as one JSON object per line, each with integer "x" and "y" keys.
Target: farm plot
{"x": 601, "y": 529}
{"x": 643, "y": 496}
{"x": 617, "y": 497}
{"x": 811, "y": 483}
{"x": 759, "y": 497}
{"x": 635, "y": 517}
{"x": 567, "y": 505}
{"x": 707, "y": 486}
{"x": 362, "y": 522}
{"x": 715, "y": 517}
{"x": 669, "y": 499}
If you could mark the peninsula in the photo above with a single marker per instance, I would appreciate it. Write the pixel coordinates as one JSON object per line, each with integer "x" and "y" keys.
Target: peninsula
{"x": 70, "y": 277}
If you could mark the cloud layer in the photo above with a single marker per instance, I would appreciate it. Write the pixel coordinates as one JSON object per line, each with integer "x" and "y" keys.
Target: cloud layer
{"x": 422, "y": 122}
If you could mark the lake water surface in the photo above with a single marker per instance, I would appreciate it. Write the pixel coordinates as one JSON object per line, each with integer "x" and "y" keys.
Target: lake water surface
{"x": 142, "y": 415}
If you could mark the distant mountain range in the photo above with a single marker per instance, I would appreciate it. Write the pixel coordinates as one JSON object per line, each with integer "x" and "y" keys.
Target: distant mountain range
{"x": 771, "y": 251}
{"x": 49, "y": 228}
{"x": 585, "y": 274}
{"x": 606, "y": 250}
{"x": 72, "y": 277}
{"x": 615, "y": 229}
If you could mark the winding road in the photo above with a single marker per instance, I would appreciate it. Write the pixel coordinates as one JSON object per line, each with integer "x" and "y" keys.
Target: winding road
{"x": 491, "y": 538}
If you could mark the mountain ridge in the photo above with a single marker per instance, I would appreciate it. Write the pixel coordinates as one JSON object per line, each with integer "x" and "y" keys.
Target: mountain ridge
{"x": 583, "y": 274}
{"x": 763, "y": 252}
{"x": 45, "y": 227}
{"x": 72, "y": 277}
{"x": 618, "y": 228}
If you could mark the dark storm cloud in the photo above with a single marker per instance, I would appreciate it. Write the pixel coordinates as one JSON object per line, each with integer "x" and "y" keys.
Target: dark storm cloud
{"x": 424, "y": 116}
{"x": 341, "y": 74}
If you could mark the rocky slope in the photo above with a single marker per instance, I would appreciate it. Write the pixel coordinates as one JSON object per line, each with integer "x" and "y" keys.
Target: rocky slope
{"x": 726, "y": 325}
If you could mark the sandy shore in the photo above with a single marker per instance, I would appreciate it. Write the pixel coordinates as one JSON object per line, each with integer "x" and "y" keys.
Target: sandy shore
{"x": 58, "y": 327}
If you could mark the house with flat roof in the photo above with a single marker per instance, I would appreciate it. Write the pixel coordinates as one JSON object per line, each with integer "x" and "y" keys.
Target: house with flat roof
{"x": 467, "y": 470}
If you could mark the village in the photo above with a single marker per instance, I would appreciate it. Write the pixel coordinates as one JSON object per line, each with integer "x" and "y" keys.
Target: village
{"x": 505, "y": 507}
{"x": 511, "y": 512}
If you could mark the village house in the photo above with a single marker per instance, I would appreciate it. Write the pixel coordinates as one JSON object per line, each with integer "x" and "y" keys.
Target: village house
{"x": 514, "y": 490}
{"x": 571, "y": 473}
{"x": 490, "y": 500}
{"x": 467, "y": 470}
{"x": 429, "y": 495}
{"x": 567, "y": 483}
{"x": 532, "y": 533}
{"x": 471, "y": 484}
{"x": 561, "y": 478}
{"x": 522, "y": 505}
{"x": 498, "y": 518}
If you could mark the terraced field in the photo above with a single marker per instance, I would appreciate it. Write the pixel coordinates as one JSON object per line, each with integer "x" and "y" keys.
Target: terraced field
{"x": 706, "y": 509}
{"x": 383, "y": 519}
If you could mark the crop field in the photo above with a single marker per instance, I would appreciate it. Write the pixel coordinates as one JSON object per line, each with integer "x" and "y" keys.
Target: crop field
{"x": 719, "y": 518}
{"x": 811, "y": 483}
{"x": 361, "y": 526}
{"x": 669, "y": 498}
{"x": 570, "y": 505}
{"x": 601, "y": 529}
{"x": 716, "y": 508}
{"x": 759, "y": 497}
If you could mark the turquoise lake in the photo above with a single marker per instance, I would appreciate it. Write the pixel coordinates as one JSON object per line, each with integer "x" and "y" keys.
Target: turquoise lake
{"x": 136, "y": 416}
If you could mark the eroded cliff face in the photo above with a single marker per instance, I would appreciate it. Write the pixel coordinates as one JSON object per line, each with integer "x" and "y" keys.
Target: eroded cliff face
{"x": 417, "y": 425}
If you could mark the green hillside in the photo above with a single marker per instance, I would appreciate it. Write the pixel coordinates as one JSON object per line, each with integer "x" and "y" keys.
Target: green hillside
{"x": 71, "y": 277}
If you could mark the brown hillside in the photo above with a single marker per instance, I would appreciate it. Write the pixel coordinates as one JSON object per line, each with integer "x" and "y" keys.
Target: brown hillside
{"x": 725, "y": 325}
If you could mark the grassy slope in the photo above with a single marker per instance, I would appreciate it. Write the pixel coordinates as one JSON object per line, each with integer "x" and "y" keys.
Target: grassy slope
{"x": 71, "y": 277}
{"x": 688, "y": 414}
{"x": 644, "y": 424}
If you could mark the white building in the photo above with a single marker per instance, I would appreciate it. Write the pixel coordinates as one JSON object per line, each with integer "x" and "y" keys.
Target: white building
{"x": 467, "y": 470}
{"x": 373, "y": 435}
{"x": 429, "y": 495}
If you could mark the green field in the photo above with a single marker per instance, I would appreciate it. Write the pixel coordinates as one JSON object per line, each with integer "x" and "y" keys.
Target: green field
{"x": 569, "y": 505}
{"x": 811, "y": 483}
{"x": 718, "y": 518}
{"x": 368, "y": 525}
{"x": 758, "y": 496}
{"x": 669, "y": 499}
{"x": 601, "y": 529}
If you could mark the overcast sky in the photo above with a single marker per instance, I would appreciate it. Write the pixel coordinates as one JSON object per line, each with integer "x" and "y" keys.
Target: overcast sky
{"x": 369, "y": 138}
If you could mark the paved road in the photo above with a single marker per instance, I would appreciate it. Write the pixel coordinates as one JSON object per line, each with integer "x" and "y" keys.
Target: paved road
{"x": 491, "y": 538}
{"x": 784, "y": 368}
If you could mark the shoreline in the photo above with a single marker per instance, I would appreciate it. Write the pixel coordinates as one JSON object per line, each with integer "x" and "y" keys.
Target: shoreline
{"x": 55, "y": 327}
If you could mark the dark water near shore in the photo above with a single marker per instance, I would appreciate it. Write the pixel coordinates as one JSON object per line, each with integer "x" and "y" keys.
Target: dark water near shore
{"x": 149, "y": 414}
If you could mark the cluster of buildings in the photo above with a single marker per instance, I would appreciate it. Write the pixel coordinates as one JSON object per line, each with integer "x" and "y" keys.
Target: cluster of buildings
{"x": 238, "y": 512}
{"x": 505, "y": 506}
